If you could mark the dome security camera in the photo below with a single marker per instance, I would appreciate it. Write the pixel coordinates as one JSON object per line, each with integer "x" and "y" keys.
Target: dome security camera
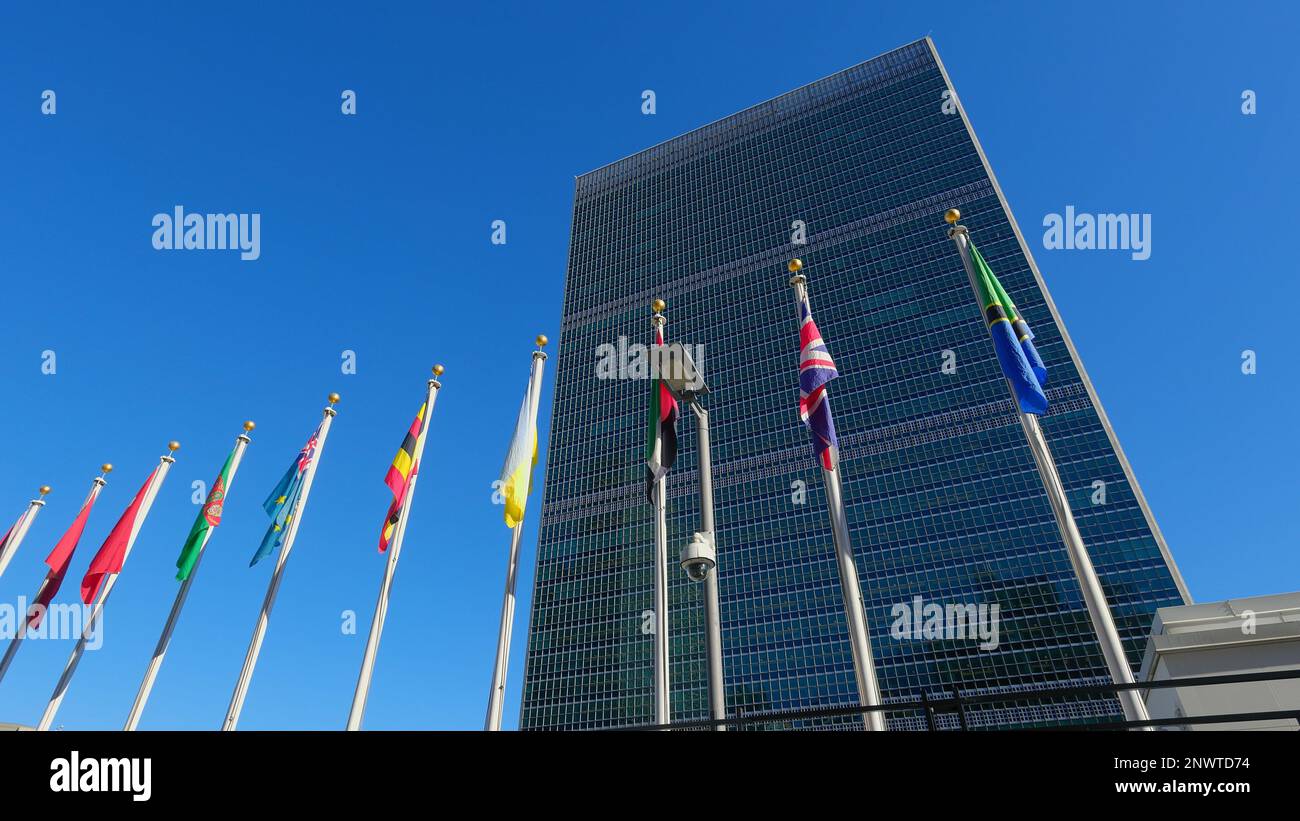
{"x": 698, "y": 557}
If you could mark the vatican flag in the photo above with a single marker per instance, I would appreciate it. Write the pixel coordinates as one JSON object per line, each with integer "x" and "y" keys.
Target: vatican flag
{"x": 517, "y": 474}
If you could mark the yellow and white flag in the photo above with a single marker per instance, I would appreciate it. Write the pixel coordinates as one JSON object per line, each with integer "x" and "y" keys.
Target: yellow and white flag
{"x": 517, "y": 475}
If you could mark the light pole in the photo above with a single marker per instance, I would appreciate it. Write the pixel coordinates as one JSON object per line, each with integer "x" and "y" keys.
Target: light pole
{"x": 699, "y": 557}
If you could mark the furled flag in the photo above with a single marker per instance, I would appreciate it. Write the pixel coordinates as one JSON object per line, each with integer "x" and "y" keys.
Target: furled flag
{"x": 208, "y": 518}
{"x": 400, "y": 473}
{"x": 284, "y": 498}
{"x": 58, "y": 560}
{"x": 661, "y": 443}
{"x": 4, "y": 543}
{"x": 1012, "y": 339}
{"x": 517, "y": 473}
{"x": 112, "y": 553}
{"x": 816, "y": 368}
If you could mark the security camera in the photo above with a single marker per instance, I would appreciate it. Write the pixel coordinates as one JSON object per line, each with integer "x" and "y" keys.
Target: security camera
{"x": 698, "y": 557}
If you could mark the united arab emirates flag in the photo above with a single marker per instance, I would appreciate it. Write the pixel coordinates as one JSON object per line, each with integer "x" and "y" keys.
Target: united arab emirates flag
{"x": 661, "y": 443}
{"x": 208, "y": 518}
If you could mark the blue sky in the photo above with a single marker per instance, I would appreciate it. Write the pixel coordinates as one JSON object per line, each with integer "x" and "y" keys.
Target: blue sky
{"x": 375, "y": 238}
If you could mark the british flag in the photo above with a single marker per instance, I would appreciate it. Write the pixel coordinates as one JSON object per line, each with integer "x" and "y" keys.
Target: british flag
{"x": 816, "y": 368}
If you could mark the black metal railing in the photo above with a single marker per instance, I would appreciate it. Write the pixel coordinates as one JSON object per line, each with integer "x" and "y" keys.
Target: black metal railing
{"x": 964, "y": 707}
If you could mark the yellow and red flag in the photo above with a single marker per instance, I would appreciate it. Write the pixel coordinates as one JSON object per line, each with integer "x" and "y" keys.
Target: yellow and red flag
{"x": 399, "y": 477}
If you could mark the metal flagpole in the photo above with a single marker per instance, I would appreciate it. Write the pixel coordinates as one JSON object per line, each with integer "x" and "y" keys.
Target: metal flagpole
{"x": 497, "y": 695}
{"x": 1093, "y": 596}
{"x": 850, "y": 587}
{"x": 96, "y": 485}
{"x": 61, "y": 689}
{"x": 362, "y": 692}
{"x": 663, "y": 707}
{"x": 155, "y": 663}
{"x": 263, "y": 617}
{"x": 20, "y": 529}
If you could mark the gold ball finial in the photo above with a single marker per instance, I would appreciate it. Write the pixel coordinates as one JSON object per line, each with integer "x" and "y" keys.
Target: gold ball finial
{"x": 333, "y": 398}
{"x": 795, "y": 266}
{"x": 658, "y": 306}
{"x": 542, "y": 340}
{"x": 951, "y": 216}
{"x": 249, "y": 425}
{"x": 45, "y": 489}
{"x": 438, "y": 370}
{"x": 107, "y": 467}
{"x": 173, "y": 446}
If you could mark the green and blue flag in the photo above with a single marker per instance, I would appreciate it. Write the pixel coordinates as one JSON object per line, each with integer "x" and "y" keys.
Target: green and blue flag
{"x": 1012, "y": 339}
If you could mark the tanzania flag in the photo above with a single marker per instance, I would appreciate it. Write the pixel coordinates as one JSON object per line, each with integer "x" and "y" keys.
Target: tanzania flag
{"x": 1012, "y": 339}
{"x": 517, "y": 472}
{"x": 816, "y": 369}
{"x": 208, "y": 518}
{"x": 399, "y": 476}
{"x": 58, "y": 560}
{"x": 112, "y": 554}
{"x": 284, "y": 498}
{"x": 661, "y": 443}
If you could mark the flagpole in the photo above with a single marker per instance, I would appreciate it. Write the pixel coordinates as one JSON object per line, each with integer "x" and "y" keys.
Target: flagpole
{"x": 496, "y": 696}
{"x": 273, "y": 587}
{"x": 1112, "y": 648}
{"x": 362, "y": 692}
{"x": 61, "y": 689}
{"x": 864, "y": 667}
{"x": 663, "y": 706}
{"x": 96, "y": 485}
{"x": 155, "y": 663}
{"x": 20, "y": 530}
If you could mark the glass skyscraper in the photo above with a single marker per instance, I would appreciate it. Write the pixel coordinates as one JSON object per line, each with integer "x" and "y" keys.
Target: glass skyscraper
{"x": 943, "y": 498}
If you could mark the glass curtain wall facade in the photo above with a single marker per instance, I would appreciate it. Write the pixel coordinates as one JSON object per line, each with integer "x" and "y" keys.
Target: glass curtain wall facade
{"x": 943, "y": 498}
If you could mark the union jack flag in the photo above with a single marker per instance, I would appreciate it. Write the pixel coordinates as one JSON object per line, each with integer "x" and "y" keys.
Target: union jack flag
{"x": 308, "y": 452}
{"x": 816, "y": 368}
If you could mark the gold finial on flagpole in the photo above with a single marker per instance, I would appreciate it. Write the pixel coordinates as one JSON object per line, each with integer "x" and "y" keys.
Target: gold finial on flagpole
{"x": 45, "y": 489}
{"x": 249, "y": 425}
{"x": 106, "y": 468}
{"x": 438, "y": 370}
{"x": 542, "y": 340}
{"x": 658, "y": 306}
{"x": 951, "y": 216}
{"x": 173, "y": 446}
{"x": 795, "y": 267}
{"x": 333, "y": 398}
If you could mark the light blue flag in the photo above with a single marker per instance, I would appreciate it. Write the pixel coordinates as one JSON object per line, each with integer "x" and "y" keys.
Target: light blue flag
{"x": 283, "y": 499}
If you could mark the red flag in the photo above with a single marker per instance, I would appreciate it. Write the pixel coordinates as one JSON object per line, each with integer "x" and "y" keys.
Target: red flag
{"x": 5, "y": 541}
{"x": 110, "y": 557}
{"x": 58, "y": 560}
